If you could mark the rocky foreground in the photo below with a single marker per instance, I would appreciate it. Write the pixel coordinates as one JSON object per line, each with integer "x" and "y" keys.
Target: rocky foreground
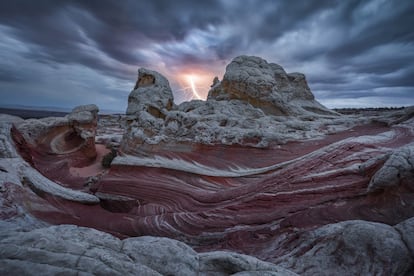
{"x": 260, "y": 179}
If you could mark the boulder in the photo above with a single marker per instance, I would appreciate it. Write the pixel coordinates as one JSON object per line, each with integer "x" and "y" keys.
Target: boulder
{"x": 148, "y": 106}
{"x": 268, "y": 87}
{"x": 349, "y": 248}
{"x": 151, "y": 94}
{"x": 88, "y": 107}
{"x": 406, "y": 230}
{"x": 68, "y": 249}
{"x": 84, "y": 120}
{"x": 251, "y": 79}
{"x": 229, "y": 263}
{"x": 397, "y": 170}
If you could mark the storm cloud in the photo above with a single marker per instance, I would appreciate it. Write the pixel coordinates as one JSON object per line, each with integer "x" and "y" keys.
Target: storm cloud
{"x": 64, "y": 53}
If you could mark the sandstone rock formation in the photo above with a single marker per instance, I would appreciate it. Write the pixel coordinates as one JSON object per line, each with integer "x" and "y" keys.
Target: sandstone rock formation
{"x": 351, "y": 248}
{"x": 71, "y": 139}
{"x": 397, "y": 170}
{"x": 152, "y": 94}
{"x": 309, "y": 191}
{"x": 268, "y": 87}
{"x": 405, "y": 229}
{"x": 281, "y": 208}
{"x": 75, "y": 132}
{"x": 148, "y": 106}
{"x": 249, "y": 107}
{"x": 14, "y": 169}
{"x": 72, "y": 250}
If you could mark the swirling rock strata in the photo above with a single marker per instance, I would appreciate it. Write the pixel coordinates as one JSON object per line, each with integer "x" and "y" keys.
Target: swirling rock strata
{"x": 220, "y": 175}
{"x": 62, "y": 135}
{"x": 22, "y": 143}
{"x": 252, "y": 201}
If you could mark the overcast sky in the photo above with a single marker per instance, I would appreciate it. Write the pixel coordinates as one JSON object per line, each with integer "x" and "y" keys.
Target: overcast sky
{"x": 66, "y": 53}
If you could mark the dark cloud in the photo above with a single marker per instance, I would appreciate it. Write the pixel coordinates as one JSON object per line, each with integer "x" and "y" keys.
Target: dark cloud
{"x": 9, "y": 76}
{"x": 285, "y": 16}
{"x": 375, "y": 24}
{"x": 346, "y": 48}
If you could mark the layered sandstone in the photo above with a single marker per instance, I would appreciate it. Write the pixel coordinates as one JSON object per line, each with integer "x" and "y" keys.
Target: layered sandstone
{"x": 62, "y": 135}
{"x": 28, "y": 145}
{"x": 256, "y": 104}
{"x": 268, "y": 87}
{"x": 304, "y": 190}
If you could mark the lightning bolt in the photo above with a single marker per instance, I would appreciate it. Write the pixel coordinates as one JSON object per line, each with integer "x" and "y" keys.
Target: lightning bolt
{"x": 193, "y": 88}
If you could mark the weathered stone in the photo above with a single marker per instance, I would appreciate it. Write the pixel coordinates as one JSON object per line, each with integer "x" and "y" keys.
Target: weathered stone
{"x": 228, "y": 263}
{"x": 349, "y": 248}
{"x": 7, "y": 148}
{"x": 268, "y": 87}
{"x": 74, "y": 132}
{"x": 69, "y": 250}
{"x": 152, "y": 94}
{"x": 76, "y": 250}
{"x": 89, "y": 107}
{"x": 250, "y": 86}
{"x": 406, "y": 230}
{"x": 166, "y": 256}
{"x": 280, "y": 204}
{"x": 397, "y": 170}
